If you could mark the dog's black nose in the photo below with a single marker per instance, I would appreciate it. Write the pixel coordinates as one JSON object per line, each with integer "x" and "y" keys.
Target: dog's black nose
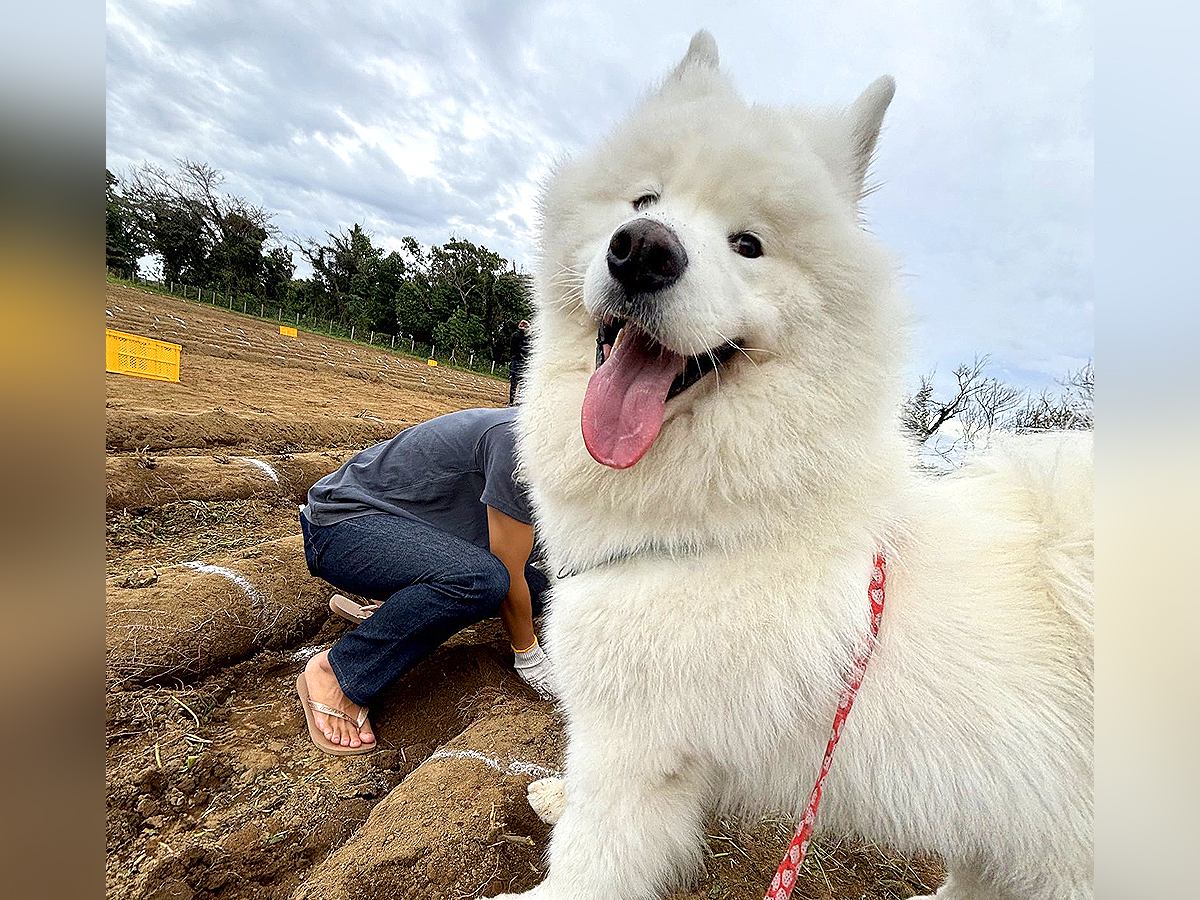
{"x": 646, "y": 256}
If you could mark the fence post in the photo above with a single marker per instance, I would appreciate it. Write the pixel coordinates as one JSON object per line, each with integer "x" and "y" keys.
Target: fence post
{"x": 412, "y": 344}
{"x": 471, "y": 361}
{"x": 351, "y": 331}
{"x": 393, "y": 342}
{"x": 493, "y": 367}
{"x": 372, "y": 338}
{"x": 243, "y": 304}
{"x": 433, "y": 351}
{"x": 331, "y": 326}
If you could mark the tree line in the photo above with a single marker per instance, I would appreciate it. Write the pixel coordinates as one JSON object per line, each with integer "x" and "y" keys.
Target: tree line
{"x": 457, "y": 294}
{"x": 979, "y": 404}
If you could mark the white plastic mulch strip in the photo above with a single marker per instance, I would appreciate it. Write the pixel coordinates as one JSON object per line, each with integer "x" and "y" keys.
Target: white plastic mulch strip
{"x": 263, "y": 465}
{"x": 516, "y": 767}
{"x": 240, "y": 580}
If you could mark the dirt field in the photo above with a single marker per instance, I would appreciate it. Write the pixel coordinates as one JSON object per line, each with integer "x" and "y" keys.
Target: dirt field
{"x": 213, "y": 787}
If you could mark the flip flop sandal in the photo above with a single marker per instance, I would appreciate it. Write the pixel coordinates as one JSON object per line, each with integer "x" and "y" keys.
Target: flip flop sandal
{"x": 318, "y": 737}
{"x": 354, "y": 613}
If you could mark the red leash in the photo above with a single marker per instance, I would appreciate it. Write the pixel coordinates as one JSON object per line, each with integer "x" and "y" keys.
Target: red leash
{"x": 785, "y": 876}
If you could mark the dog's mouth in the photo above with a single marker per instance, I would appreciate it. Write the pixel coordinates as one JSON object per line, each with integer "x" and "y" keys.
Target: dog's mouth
{"x": 627, "y": 394}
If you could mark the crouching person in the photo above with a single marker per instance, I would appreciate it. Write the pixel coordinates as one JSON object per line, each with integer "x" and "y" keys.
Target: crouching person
{"x": 433, "y": 527}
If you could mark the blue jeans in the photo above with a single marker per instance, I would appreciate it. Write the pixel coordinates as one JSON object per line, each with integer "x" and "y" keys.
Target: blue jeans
{"x": 432, "y": 585}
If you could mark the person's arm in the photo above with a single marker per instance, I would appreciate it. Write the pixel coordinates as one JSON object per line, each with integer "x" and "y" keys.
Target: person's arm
{"x": 511, "y": 542}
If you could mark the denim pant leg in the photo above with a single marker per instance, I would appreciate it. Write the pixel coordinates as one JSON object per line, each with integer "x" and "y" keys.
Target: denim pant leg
{"x": 432, "y": 584}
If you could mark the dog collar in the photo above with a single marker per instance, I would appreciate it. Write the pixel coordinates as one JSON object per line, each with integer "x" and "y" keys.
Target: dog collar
{"x": 785, "y": 875}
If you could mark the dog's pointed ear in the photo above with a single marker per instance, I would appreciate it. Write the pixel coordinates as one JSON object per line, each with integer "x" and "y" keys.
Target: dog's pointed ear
{"x": 865, "y": 118}
{"x": 701, "y": 54}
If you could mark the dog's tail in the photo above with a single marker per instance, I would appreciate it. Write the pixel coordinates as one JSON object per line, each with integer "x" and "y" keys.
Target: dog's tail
{"x": 1053, "y": 474}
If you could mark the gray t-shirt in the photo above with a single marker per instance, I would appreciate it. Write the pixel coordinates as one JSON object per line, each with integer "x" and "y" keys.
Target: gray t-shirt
{"x": 444, "y": 472}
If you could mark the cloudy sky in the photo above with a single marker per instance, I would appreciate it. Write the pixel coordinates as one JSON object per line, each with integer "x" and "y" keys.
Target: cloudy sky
{"x": 441, "y": 119}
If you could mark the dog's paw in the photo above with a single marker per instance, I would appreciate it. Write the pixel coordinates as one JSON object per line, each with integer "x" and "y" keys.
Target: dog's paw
{"x": 548, "y": 798}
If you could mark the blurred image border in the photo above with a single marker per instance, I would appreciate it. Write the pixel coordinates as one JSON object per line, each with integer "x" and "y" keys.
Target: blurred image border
{"x": 52, "y": 148}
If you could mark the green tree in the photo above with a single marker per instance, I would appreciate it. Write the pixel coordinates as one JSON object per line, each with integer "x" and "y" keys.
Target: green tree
{"x": 306, "y": 296}
{"x": 461, "y": 295}
{"x": 203, "y": 236}
{"x": 236, "y": 261}
{"x": 358, "y": 282}
{"x": 461, "y": 330}
{"x": 124, "y": 242}
{"x": 278, "y": 267}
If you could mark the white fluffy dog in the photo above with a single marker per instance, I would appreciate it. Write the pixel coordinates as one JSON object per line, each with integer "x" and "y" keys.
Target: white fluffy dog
{"x": 719, "y": 526}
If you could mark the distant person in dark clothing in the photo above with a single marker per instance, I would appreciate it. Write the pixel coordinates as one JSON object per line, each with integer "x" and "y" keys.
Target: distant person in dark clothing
{"x": 516, "y": 363}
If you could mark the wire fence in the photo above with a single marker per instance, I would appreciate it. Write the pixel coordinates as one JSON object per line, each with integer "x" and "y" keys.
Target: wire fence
{"x": 406, "y": 344}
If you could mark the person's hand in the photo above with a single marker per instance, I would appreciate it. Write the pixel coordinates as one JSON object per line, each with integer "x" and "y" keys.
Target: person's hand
{"x": 535, "y": 670}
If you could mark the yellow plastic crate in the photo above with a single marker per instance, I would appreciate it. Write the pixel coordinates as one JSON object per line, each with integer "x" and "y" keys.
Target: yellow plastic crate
{"x": 143, "y": 357}
{"x": 432, "y": 362}
{"x": 287, "y": 330}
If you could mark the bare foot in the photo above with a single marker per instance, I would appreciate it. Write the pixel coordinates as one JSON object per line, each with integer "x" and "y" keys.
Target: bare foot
{"x": 323, "y": 687}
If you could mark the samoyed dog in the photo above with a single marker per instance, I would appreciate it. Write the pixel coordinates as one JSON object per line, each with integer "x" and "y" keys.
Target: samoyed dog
{"x": 711, "y": 438}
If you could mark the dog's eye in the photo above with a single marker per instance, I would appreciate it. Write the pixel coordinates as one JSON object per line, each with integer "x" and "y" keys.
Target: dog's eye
{"x": 643, "y": 201}
{"x": 746, "y": 244}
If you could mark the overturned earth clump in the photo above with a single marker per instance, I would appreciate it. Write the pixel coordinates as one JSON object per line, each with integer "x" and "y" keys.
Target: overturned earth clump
{"x": 148, "y": 480}
{"x": 459, "y": 825}
{"x": 185, "y": 620}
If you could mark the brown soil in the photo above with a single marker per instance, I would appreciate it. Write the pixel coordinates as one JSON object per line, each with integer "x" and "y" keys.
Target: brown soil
{"x": 243, "y": 386}
{"x": 214, "y": 789}
{"x": 186, "y": 530}
{"x": 182, "y": 622}
{"x": 145, "y": 480}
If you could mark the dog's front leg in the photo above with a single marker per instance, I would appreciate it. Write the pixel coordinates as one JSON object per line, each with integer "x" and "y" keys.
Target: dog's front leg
{"x": 631, "y": 828}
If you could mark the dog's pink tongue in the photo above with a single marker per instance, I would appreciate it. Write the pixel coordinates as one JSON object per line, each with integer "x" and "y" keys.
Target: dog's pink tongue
{"x": 623, "y": 406}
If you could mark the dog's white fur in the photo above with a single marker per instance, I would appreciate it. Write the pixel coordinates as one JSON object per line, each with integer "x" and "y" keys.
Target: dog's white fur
{"x": 721, "y": 590}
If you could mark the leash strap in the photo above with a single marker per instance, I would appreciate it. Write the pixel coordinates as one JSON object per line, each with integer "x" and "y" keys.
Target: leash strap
{"x": 785, "y": 875}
